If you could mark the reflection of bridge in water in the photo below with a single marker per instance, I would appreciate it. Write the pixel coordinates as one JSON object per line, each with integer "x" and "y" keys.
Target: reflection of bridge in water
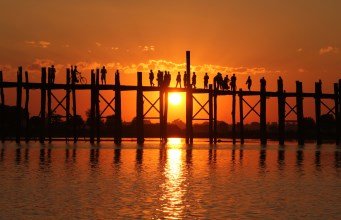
{"x": 68, "y": 105}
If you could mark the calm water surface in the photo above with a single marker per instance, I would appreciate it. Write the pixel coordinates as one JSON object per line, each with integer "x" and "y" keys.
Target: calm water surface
{"x": 173, "y": 181}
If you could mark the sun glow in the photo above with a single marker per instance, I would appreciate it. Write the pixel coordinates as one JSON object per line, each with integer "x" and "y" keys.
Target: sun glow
{"x": 174, "y": 98}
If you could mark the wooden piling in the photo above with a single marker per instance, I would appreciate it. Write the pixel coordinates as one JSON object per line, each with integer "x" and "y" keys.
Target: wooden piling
{"x": 215, "y": 116}
{"x": 162, "y": 136}
{"x": 165, "y": 118}
{"x": 337, "y": 114}
{"x": 189, "y": 101}
{"x": 49, "y": 105}
{"x": 2, "y": 99}
{"x": 92, "y": 108}
{"x": 74, "y": 110}
{"x": 67, "y": 103}
{"x": 210, "y": 111}
{"x": 42, "y": 104}
{"x": 300, "y": 113}
{"x": 27, "y": 113}
{"x": 98, "y": 116}
{"x": 234, "y": 117}
{"x": 19, "y": 99}
{"x": 281, "y": 111}
{"x": 318, "y": 91}
{"x": 139, "y": 109}
{"x": 118, "y": 114}
{"x": 241, "y": 117}
{"x": 263, "y": 135}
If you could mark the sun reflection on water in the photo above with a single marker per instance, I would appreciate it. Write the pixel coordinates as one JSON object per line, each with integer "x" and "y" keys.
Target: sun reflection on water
{"x": 173, "y": 188}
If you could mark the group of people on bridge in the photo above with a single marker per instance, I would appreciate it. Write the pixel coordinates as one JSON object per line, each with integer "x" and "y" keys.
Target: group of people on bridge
{"x": 219, "y": 82}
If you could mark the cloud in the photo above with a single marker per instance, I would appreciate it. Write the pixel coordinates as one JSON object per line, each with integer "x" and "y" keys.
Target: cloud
{"x": 328, "y": 49}
{"x": 39, "y": 63}
{"x": 301, "y": 70}
{"x": 299, "y": 50}
{"x": 98, "y": 44}
{"x": 41, "y": 44}
{"x": 147, "y": 48}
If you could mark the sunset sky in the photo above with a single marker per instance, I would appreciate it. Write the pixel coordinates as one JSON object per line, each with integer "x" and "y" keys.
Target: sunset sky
{"x": 299, "y": 40}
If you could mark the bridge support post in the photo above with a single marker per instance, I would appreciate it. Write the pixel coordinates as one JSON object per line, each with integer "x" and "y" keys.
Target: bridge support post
{"x": 241, "y": 117}
{"x": 67, "y": 107}
{"x": 318, "y": 91}
{"x": 42, "y": 104}
{"x": 49, "y": 105}
{"x": 210, "y": 111}
{"x": 281, "y": 112}
{"x": 263, "y": 135}
{"x": 19, "y": 99}
{"x": 118, "y": 114}
{"x": 92, "y": 108}
{"x": 234, "y": 117}
{"x": 300, "y": 114}
{"x": 98, "y": 114}
{"x": 2, "y": 99}
{"x": 27, "y": 114}
{"x": 337, "y": 114}
{"x": 189, "y": 101}
{"x": 139, "y": 110}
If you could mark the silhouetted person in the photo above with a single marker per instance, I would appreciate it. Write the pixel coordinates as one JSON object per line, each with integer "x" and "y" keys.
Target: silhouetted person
{"x": 226, "y": 82}
{"x": 166, "y": 79}
{"x": 169, "y": 79}
{"x": 74, "y": 73}
{"x": 249, "y": 83}
{"x": 53, "y": 74}
{"x": 185, "y": 80}
{"x": 178, "y": 80}
{"x": 104, "y": 75}
{"x": 233, "y": 82}
{"x": 151, "y": 78}
{"x": 194, "y": 80}
{"x": 280, "y": 83}
{"x": 159, "y": 78}
{"x": 206, "y": 78}
{"x": 216, "y": 81}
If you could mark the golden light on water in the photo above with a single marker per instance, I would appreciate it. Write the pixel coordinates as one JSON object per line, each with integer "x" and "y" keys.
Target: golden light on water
{"x": 173, "y": 188}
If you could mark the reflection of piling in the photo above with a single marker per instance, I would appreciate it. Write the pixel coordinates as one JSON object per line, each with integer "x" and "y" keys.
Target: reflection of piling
{"x": 241, "y": 117}
{"x": 27, "y": 115}
{"x": 42, "y": 105}
{"x": 210, "y": 110}
{"x": 281, "y": 112}
{"x": 263, "y": 138}
{"x": 139, "y": 109}
{"x": 318, "y": 91}
{"x": 299, "y": 108}
{"x": 19, "y": 98}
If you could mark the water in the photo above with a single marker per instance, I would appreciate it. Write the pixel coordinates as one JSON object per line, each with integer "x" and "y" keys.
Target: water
{"x": 174, "y": 181}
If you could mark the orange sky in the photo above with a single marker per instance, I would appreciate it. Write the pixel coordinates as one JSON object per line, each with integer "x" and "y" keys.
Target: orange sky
{"x": 299, "y": 40}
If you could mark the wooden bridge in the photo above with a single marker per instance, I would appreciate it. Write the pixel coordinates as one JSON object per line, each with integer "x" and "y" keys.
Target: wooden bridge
{"x": 47, "y": 88}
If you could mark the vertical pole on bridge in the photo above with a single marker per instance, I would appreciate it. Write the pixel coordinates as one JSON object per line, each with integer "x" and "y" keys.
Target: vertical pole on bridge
{"x": 98, "y": 114}
{"x": 318, "y": 91}
{"x": 281, "y": 111}
{"x": 139, "y": 110}
{"x": 337, "y": 113}
{"x": 241, "y": 117}
{"x": 118, "y": 114}
{"x": 19, "y": 98}
{"x": 67, "y": 100}
{"x": 49, "y": 104}
{"x": 92, "y": 108}
{"x": 74, "y": 109}
{"x": 161, "y": 113}
{"x": 165, "y": 118}
{"x": 215, "y": 106}
{"x": 234, "y": 117}
{"x": 300, "y": 113}
{"x": 27, "y": 114}
{"x": 210, "y": 111}
{"x": 42, "y": 104}
{"x": 263, "y": 135}
{"x": 2, "y": 99}
{"x": 189, "y": 101}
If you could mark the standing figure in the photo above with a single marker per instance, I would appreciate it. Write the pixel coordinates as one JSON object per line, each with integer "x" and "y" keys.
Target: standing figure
{"x": 74, "y": 73}
{"x": 158, "y": 78}
{"x": 249, "y": 83}
{"x": 226, "y": 82}
{"x": 151, "y": 78}
{"x": 178, "y": 80}
{"x": 194, "y": 80}
{"x": 103, "y": 75}
{"x": 206, "y": 77}
{"x": 233, "y": 83}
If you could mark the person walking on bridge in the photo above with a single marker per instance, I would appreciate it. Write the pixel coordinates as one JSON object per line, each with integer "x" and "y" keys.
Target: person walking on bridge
{"x": 178, "y": 80}
{"x": 249, "y": 83}
{"x": 194, "y": 80}
{"x": 206, "y": 78}
{"x": 233, "y": 83}
{"x": 104, "y": 75}
{"x": 151, "y": 78}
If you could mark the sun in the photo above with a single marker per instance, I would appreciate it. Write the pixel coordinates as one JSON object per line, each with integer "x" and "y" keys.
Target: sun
{"x": 174, "y": 98}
